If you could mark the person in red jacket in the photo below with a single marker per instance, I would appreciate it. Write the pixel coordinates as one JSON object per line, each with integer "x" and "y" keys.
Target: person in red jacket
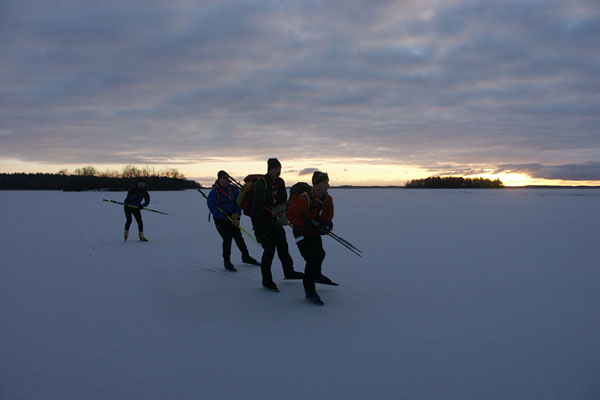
{"x": 311, "y": 215}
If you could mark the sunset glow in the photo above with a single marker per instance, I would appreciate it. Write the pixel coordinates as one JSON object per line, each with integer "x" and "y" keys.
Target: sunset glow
{"x": 362, "y": 172}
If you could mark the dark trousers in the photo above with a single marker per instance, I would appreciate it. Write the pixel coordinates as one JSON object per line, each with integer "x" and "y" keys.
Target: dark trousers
{"x": 311, "y": 248}
{"x": 272, "y": 237}
{"x": 138, "y": 217}
{"x": 228, "y": 232}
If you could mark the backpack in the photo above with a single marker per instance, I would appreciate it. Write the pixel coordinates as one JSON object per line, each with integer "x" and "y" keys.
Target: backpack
{"x": 299, "y": 190}
{"x": 244, "y": 200}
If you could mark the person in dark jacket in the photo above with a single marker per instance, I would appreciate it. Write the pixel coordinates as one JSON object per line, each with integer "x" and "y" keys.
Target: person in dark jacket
{"x": 311, "y": 215}
{"x": 223, "y": 198}
{"x": 269, "y": 199}
{"x": 133, "y": 206}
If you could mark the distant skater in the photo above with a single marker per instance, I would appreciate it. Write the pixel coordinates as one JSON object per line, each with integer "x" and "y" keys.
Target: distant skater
{"x": 224, "y": 196}
{"x": 133, "y": 206}
{"x": 269, "y": 197}
{"x": 311, "y": 214}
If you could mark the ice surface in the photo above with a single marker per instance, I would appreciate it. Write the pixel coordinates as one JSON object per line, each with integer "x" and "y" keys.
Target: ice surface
{"x": 484, "y": 294}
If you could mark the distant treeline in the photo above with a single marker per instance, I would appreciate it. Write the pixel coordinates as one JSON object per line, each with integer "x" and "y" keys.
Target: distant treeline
{"x": 454, "y": 182}
{"x": 39, "y": 181}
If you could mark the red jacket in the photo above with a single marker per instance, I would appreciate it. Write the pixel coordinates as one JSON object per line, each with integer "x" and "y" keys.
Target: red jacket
{"x": 305, "y": 212}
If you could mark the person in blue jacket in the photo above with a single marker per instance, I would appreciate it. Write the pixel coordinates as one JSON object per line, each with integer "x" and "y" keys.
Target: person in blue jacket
{"x": 133, "y": 206}
{"x": 223, "y": 196}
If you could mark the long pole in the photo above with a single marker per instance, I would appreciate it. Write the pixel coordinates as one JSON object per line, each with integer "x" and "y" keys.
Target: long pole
{"x": 129, "y": 205}
{"x": 231, "y": 219}
{"x": 335, "y": 237}
{"x": 341, "y": 239}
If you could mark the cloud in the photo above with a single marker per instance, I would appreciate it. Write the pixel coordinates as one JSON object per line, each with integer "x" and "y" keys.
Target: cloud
{"x": 569, "y": 172}
{"x": 307, "y": 171}
{"x": 415, "y": 82}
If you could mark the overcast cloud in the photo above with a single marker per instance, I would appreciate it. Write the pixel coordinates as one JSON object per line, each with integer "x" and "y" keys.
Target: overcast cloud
{"x": 510, "y": 84}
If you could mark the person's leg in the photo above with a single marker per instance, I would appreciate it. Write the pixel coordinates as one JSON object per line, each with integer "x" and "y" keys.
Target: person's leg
{"x": 225, "y": 229}
{"x": 268, "y": 245}
{"x": 309, "y": 252}
{"x": 283, "y": 253}
{"x": 239, "y": 241}
{"x": 320, "y": 256}
{"x": 138, "y": 218}
{"x": 128, "y": 218}
{"x": 241, "y": 244}
{"x": 128, "y": 221}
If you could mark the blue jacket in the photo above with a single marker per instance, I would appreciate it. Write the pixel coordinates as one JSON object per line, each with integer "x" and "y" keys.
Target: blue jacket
{"x": 226, "y": 199}
{"x": 135, "y": 197}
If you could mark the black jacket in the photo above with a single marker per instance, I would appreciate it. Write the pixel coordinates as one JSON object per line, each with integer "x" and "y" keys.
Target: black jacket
{"x": 263, "y": 195}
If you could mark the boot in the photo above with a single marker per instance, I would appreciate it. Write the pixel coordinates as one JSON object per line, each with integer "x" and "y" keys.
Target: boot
{"x": 126, "y": 234}
{"x": 229, "y": 266}
{"x": 314, "y": 298}
{"x": 249, "y": 260}
{"x": 322, "y": 279}
{"x": 142, "y": 237}
{"x": 293, "y": 275}
{"x": 270, "y": 285}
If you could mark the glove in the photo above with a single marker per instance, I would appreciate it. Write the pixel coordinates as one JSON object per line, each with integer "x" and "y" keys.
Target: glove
{"x": 325, "y": 227}
{"x": 235, "y": 219}
{"x": 282, "y": 220}
{"x": 310, "y": 225}
{"x": 280, "y": 211}
{"x": 141, "y": 207}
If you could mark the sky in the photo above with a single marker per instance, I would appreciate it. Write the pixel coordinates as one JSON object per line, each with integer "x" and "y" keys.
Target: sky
{"x": 373, "y": 92}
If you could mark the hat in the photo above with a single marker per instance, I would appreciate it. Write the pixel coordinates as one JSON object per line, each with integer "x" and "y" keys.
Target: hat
{"x": 273, "y": 163}
{"x": 319, "y": 177}
{"x": 221, "y": 174}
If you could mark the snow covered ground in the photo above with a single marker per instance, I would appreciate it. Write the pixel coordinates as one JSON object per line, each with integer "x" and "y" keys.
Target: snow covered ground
{"x": 486, "y": 294}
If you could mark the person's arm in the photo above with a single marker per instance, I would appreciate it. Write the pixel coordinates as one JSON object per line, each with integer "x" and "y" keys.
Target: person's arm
{"x": 326, "y": 219}
{"x": 298, "y": 215}
{"x": 296, "y": 209}
{"x": 146, "y": 199}
{"x": 328, "y": 211}
{"x": 282, "y": 192}
{"x": 236, "y": 206}
{"x": 212, "y": 203}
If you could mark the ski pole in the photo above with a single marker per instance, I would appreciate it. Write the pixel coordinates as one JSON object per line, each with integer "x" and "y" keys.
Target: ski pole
{"x": 129, "y": 205}
{"x": 231, "y": 219}
{"x": 345, "y": 241}
{"x": 236, "y": 183}
{"x": 336, "y": 238}
{"x": 333, "y": 236}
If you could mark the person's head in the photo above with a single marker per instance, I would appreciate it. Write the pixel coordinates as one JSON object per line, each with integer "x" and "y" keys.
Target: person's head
{"x": 223, "y": 178}
{"x": 141, "y": 184}
{"x": 320, "y": 181}
{"x": 273, "y": 168}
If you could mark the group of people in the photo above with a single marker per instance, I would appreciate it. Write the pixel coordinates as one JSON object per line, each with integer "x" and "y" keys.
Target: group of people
{"x": 309, "y": 213}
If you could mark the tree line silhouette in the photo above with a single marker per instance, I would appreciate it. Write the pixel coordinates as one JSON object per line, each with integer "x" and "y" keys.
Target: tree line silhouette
{"x": 454, "y": 182}
{"x": 88, "y": 178}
